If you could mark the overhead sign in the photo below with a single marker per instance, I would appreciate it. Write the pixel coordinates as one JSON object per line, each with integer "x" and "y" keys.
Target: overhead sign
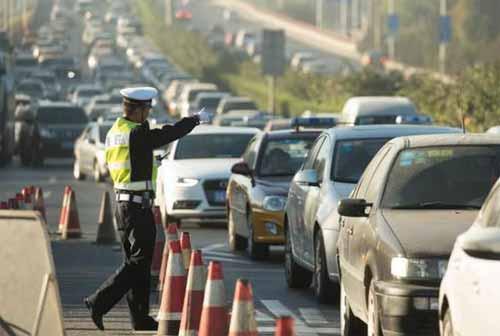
{"x": 273, "y": 52}
{"x": 445, "y": 32}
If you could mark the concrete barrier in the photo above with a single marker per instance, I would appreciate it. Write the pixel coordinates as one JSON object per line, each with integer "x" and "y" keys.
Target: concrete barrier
{"x": 29, "y": 294}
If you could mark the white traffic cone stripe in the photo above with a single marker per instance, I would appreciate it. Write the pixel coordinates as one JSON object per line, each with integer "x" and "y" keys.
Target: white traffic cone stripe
{"x": 188, "y": 332}
{"x": 215, "y": 294}
{"x": 166, "y": 316}
{"x": 197, "y": 278}
{"x": 176, "y": 267}
{"x": 243, "y": 317}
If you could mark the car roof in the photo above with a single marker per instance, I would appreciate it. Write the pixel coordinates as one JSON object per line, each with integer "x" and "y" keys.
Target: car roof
{"x": 45, "y": 103}
{"x": 237, "y": 99}
{"x": 385, "y": 131}
{"x": 461, "y": 139}
{"x": 205, "y": 129}
{"x": 290, "y": 133}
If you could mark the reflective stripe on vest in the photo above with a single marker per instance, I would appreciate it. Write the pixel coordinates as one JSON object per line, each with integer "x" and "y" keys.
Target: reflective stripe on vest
{"x": 118, "y": 157}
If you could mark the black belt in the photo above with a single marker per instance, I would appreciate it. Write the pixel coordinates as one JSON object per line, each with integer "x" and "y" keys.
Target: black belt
{"x": 146, "y": 198}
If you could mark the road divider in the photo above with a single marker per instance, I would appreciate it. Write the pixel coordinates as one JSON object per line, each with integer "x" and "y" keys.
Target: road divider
{"x": 30, "y": 303}
{"x": 214, "y": 316}
{"x": 243, "y": 321}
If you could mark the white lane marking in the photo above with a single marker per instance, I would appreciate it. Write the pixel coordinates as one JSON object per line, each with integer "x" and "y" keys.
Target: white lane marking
{"x": 229, "y": 260}
{"x": 262, "y": 317}
{"x": 221, "y": 254}
{"x": 278, "y": 309}
{"x": 212, "y": 247}
{"x": 312, "y": 316}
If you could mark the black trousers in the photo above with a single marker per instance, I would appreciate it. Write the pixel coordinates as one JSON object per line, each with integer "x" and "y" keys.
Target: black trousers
{"x": 137, "y": 233}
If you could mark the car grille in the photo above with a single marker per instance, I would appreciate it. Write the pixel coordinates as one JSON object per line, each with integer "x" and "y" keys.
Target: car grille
{"x": 211, "y": 187}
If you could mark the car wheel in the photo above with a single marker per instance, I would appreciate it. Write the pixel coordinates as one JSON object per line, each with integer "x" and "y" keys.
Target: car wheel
{"x": 373, "y": 319}
{"x": 97, "y": 173}
{"x": 256, "y": 251}
{"x": 324, "y": 289}
{"x": 236, "y": 242}
{"x": 447, "y": 325}
{"x": 350, "y": 325}
{"x": 296, "y": 275}
{"x": 77, "y": 172}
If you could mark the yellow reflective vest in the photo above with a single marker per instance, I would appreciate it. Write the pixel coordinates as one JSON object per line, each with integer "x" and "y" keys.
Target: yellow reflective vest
{"x": 118, "y": 158}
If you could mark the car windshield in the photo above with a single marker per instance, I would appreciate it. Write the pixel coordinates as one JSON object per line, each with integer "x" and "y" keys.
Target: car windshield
{"x": 283, "y": 157}
{"x": 448, "y": 177}
{"x": 212, "y": 146}
{"x": 351, "y": 158}
{"x": 61, "y": 115}
{"x": 209, "y": 102}
{"x": 193, "y": 93}
{"x": 243, "y": 105}
{"x": 103, "y": 131}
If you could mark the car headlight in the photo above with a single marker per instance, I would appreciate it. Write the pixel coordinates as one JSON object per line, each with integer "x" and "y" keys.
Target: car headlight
{"x": 274, "y": 203}
{"x": 187, "y": 182}
{"x": 419, "y": 269}
{"x": 46, "y": 133}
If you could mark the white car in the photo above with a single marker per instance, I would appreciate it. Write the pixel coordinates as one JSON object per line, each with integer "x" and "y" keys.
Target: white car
{"x": 193, "y": 176}
{"x": 469, "y": 297}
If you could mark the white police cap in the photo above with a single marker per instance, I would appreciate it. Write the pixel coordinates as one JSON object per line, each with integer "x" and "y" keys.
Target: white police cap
{"x": 139, "y": 94}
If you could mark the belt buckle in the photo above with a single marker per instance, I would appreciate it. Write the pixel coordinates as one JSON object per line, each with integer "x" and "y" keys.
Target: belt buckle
{"x": 146, "y": 200}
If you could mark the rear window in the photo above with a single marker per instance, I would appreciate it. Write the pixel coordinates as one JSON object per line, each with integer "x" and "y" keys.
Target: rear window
{"x": 212, "y": 146}
{"x": 61, "y": 115}
{"x": 194, "y": 93}
{"x": 246, "y": 105}
{"x": 211, "y": 102}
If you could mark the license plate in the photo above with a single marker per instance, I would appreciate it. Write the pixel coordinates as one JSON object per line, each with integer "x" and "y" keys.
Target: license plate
{"x": 67, "y": 145}
{"x": 220, "y": 196}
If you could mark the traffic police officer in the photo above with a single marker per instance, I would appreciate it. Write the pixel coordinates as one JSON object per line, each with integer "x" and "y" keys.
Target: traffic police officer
{"x": 129, "y": 156}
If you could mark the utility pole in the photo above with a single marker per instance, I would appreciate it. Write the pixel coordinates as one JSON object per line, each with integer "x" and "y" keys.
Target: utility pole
{"x": 391, "y": 40}
{"x": 346, "y": 12}
{"x": 169, "y": 12}
{"x": 319, "y": 13}
{"x": 445, "y": 35}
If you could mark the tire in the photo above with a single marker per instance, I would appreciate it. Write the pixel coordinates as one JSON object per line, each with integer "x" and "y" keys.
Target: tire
{"x": 296, "y": 275}
{"x": 350, "y": 325}
{"x": 77, "y": 171}
{"x": 447, "y": 324}
{"x": 236, "y": 242}
{"x": 324, "y": 289}
{"x": 373, "y": 325}
{"x": 256, "y": 251}
{"x": 97, "y": 173}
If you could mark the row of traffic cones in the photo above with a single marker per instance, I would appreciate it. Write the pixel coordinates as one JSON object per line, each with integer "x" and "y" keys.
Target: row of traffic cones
{"x": 30, "y": 198}
{"x": 195, "y": 304}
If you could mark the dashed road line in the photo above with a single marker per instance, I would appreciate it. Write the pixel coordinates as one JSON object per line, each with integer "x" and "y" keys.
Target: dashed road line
{"x": 313, "y": 316}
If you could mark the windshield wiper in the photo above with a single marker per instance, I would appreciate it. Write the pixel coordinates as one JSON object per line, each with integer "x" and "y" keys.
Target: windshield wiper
{"x": 436, "y": 205}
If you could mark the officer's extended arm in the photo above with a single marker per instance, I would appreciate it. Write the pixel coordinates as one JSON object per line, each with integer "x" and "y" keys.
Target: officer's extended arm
{"x": 169, "y": 133}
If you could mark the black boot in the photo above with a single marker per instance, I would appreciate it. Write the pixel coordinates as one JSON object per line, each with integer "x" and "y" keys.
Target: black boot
{"x": 147, "y": 324}
{"x": 96, "y": 317}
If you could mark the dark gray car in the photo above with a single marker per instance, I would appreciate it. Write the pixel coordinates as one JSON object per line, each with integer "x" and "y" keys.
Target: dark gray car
{"x": 398, "y": 228}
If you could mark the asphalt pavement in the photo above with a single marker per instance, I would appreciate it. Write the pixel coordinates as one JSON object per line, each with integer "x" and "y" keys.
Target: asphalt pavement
{"x": 81, "y": 265}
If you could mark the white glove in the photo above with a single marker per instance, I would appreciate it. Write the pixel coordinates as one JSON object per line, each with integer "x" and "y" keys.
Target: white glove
{"x": 203, "y": 116}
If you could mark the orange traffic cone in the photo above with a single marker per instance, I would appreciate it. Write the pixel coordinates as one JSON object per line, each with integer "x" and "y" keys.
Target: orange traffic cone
{"x": 169, "y": 317}
{"x": 159, "y": 245}
{"x": 285, "y": 326}
{"x": 186, "y": 248}
{"x": 105, "y": 229}
{"x": 71, "y": 222}
{"x": 243, "y": 315}
{"x": 193, "y": 300}
{"x": 172, "y": 234}
{"x": 39, "y": 204}
{"x": 64, "y": 209}
{"x": 213, "y": 320}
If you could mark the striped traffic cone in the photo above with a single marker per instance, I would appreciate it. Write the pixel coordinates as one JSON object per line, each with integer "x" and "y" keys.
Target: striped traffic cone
{"x": 71, "y": 223}
{"x": 64, "y": 209}
{"x": 186, "y": 248}
{"x": 213, "y": 320}
{"x": 242, "y": 315}
{"x": 159, "y": 245}
{"x": 193, "y": 300}
{"x": 20, "y": 201}
{"x": 169, "y": 317}
{"x": 39, "y": 204}
{"x": 172, "y": 234}
{"x": 285, "y": 326}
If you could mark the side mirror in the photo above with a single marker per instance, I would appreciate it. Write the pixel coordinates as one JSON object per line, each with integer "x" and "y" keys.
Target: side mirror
{"x": 241, "y": 168}
{"x": 481, "y": 243}
{"x": 352, "y": 207}
{"x": 307, "y": 177}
